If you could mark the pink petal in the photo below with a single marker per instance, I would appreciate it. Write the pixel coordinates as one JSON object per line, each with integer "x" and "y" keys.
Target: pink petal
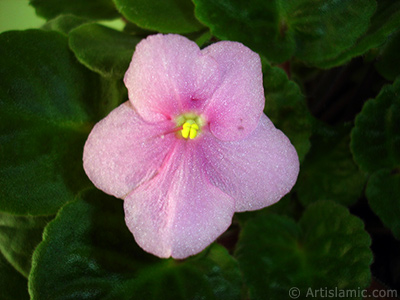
{"x": 178, "y": 213}
{"x": 123, "y": 151}
{"x": 256, "y": 171}
{"x": 236, "y": 106}
{"x": 168, "y": 76}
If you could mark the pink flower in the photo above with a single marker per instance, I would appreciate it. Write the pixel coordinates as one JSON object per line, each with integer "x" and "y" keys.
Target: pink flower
{"x": 191, "y": 146}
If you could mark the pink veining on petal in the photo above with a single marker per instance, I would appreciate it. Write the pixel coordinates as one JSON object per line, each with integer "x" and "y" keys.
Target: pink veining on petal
{"x": 123, "y": 150}
{"x": 236, "y": 106}
{"x": 179, "y": 212}
{"x": 168, "y": 76}
{"x": 256, "y": 171}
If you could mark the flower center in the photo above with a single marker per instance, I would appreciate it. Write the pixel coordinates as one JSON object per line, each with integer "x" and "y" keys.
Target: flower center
{"x": 189, "y": 129}
{"x": 191, "y": 125}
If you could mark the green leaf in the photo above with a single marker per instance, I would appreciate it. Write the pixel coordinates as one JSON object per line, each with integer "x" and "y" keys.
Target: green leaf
{"x": 383, "y": 192}
{"x": 103, "y": 50}
{"x": 13, "y": 286}
{"x": 64, "y": 23}
{"x": 92, "y": 9}
{"x": 329, "y": 172}
{"x": 388, "y": 61}
{"x": 384, "y": 22}
{"x": 286, "y": 107}
{"x": 173, "y": 16}
{"x": 326, "y": 28}
{"x": 88, "y": 253}
{"x": 327, "y": 249}
{"x": 201, "y": 38}
{"x": 312, "y": 30}
{"x": 113, "y": 93}
{"x": 256, "y": 23}
{"x": 46, "y": 112}
{"x": 375, "y": 139}
{"x": 19, "y": 236}
{"x": 133, "y": 29}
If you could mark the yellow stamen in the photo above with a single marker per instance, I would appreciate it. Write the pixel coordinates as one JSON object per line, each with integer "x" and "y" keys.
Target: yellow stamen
{"x": 189, "y": 129}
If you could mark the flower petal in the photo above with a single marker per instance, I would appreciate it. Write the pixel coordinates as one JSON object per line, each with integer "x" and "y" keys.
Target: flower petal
{"x": 236, "y": 106}
{"x": 256, "y": 171}
{"x": 168, "y": 76}
{"x": 122, "y": 151}
{"x": 178, "y": 213}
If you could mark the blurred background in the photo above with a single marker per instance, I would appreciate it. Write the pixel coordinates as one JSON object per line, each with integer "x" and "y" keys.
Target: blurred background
{"x": 18, "y": 15}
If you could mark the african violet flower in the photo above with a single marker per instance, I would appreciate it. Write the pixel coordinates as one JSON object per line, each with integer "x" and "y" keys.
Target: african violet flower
{"x": 191, "y": 146}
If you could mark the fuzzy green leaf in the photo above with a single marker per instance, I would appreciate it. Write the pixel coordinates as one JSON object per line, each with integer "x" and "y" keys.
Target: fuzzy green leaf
{"x": 64, "y": 23}
{"x": 311, "y": 30}
{"x": 172, "y": 16}
{"x": 103, "y": 50}
{"x": 329, "y": 172}
{"x": 88, "y": 253}
{"x": 46, "y": 113}
{"x": 375, "y": 139}
{"x": 19, "y": 236}
{"x": 92, "y": 9}
{"x": 13, "y": 286}
{"x": 328, "y": 248}
{"x": 388, "y": 61}
{"x": 286, "y": 107}
{"x": 384, "y": 22}
{"x": 383, "y": 192}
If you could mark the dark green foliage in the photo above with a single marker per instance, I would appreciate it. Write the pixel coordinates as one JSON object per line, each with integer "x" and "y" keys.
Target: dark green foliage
{"x": 13, "y": 286}
{"x": 286, "y": 107}
{"x": 383, "y": 192}
{"x": 19, "y": 236}
{"x": 328, "y": 248}
{"x": 64, "y": 23}
{"x": 388, "y": 61}
{"x": 44, "y": 121}
{"x": 311, "y": 30}
{"x": 175, "y": 16}
{"x": 103, "y": 50}
{"x": 70, "y": 240}
{"x": 375, "y": 146}
{"x": 376, "y": 136}
{"x": 329, "y": 172}
{"x": 92, "y": 9}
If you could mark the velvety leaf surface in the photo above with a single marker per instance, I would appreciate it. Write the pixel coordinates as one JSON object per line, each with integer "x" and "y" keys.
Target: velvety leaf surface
{"x": 375, "y": 139}
{"x": 13, "y": 286}
{"x": 309, "y": 29}
{"x": 173, "y": 16}
{"x": 64, "y": 23}
{"x": 103, "y": 50}
{"x": 388, "y": 61}
{"x": 383, "y": 192}
{"x": 19, "y": 236}
{"x": 88, "y": 253}
{"x": 45, "y": 96}
{"x": 92, "y": 9}
{"x": 328, "y": 248}
{"x": 133, "y": 29}
{"x": 329, "y": 172}
{"x": 384, "y": 22}
{"x": 112, "y": 93}
{"x": 285, "y": 106}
